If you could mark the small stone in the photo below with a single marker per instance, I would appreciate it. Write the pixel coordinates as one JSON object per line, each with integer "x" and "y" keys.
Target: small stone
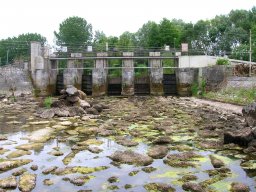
{"x": 192, "y": 187}
{"x": 128, "y": 186}
{"x": 56, "y": 153}
{"x": 149, "y": 169}
{"x": 158, "y": 151}
{"x": 216, "y": 163}
{"x": 163, "y": 140}
{"x": 49, "y": 170}
{"x": 132, "y": 173}
{"x": 3, "y": 137}
{"x": 34, "y": 167}
{"x": 159, "y": 187}
{"x": 239, "y": 187}
{"x": 113, "y": 179}
{"x": 94, "y": 149}
{"x": 48, "y": 182}
{"x": 19, "y": 172}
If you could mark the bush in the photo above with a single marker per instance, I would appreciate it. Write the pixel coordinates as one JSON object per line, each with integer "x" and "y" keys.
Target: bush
{"x": 222, "y": 61}
{"x": 195, "y": 89}
{"x": 48, "y": 102}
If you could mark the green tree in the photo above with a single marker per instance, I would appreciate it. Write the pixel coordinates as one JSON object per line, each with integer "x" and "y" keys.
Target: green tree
{"x": 74, "y": 32}
{"x": 100, "y": 40}
{"x": 18, "y": 48}
{"x": 127, "y": 41}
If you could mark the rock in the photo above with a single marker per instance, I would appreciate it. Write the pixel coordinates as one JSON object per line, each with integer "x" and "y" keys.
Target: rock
{"x": 3, "y": 137}
{"x": 92, "y": 111}
{"x": 81, "y": 94}
{"x": 239, "y": 187}
{"x": 158, "y": 151}
{"x": 30, "y": 146}
{"x": 193, "y": 187}
{"x": 84, "y": 104}
{"x": 61, "y": 112}
{"x": 241, "y": 137}
{"x": 27, "y": 182}
{"x": 133, "y": 173}
{"x": 94, "y": 149}
{"x": 73, "y": 99}
{"x": 8, "y": 183}
{"x": 71, "y": 90}
{"x": 49, "y": 170}
{"x": 98, "y": 107}
{"x": 66, "y": 123}
{"x": 126, "y": 142}
{"x": 19, "y": 172}
{"x": 161, "y": 187}
{"x": 7, "y": 165}
{"x": 76, "y": 111}
{"x": 18, "y": 153}
{"x": 47, "y": 114}
{"x": 249, "y": 112}
{"x": 162, "y": 140}
{"x": 81, "y": 180}
{"x": 48, "y": 182}
{"x": 149, "y": 169}
{"x": 34, "y": 167}
{"x": 131, "y": 157}
{"x": 216, "y": 163}
{"x": 56, "y": 153}
{"x": 113, "y": 179}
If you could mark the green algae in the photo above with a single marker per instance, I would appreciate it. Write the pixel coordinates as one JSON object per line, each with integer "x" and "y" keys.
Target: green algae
{"x": 18, "y": 153}
{"x": 78, "y": 169}
{"x": 30, "y": 146}
{"x": 158, "y": 187}
{"x": 67, "y": 159}
{"x": 133, "y": 173}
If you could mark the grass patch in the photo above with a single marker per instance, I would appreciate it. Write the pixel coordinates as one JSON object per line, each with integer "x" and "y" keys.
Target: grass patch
{"x": 48, "y": 102}
{"x": 241, "y": 96}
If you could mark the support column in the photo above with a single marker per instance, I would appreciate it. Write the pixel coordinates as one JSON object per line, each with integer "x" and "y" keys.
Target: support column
{"x": 156, "y": 74}
{"x": 128, "y": 74}
{"x": 99, "y": 75}
{"x": 72, "y": 75}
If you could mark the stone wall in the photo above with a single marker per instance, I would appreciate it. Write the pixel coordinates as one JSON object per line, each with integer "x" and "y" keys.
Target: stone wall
{"x": 15, "y": 77}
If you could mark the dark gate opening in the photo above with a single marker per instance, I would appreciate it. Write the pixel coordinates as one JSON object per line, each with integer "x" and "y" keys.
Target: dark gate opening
{"x": 87, "y": 77}
{"x": 115, "y": 76}
{"x": 141, "y": 80}
{"x": 169, "y": 76}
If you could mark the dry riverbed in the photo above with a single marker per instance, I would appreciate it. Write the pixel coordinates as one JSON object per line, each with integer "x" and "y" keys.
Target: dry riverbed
{"x": 135, "y": 144}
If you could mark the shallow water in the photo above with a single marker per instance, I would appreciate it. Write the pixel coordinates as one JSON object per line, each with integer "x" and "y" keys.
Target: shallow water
{"x": 11, "y": 125}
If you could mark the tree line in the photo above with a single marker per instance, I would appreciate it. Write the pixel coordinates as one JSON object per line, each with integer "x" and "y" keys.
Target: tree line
{"x": 223, "y": 35}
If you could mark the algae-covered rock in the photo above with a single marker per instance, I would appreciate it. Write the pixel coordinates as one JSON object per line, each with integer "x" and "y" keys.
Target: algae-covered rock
{"x": 56, "y": 153}
{"x": 133, "y": 173}
{"x": 193, "y": 187}
{"x": 49, "y": 170}
{"x": 7, "y": 165}
{"x": 48, "y": 182}
{"x": 78, "y": 169}
{"x": 161, "y": 187}
{"x": 94, "y": 149}
{"x": 34, "y": 167}
{"x": 19, "y": 172}
{"x": 30, "y": 146}
{"x": 81, "y": 180}
{"x": 127, "y": 186}
{"x": 239, "y": 187}
{"x": 69, "y": 157}
{"x": 41, "y": 135}
{"x": 18, "y": 153}
{"x": 158, "y": 151}
{"x": 162, "y": 140}
{"x": 8, "y": 183}
{"x": 113, "y": 179}
{"x": 90, "y": 142}
{"x": 27, "y": 182}
{"x": 126, "y": 142}
{"x": 72, "y": 132}
{"x": 131, "y": 157}
{"x": 216, "y": 163}
{"x": 113, "y": 187}
{"x": 3, "y": 137}
{"x": 187, "y": 178}
{"x": 149, "y": 169}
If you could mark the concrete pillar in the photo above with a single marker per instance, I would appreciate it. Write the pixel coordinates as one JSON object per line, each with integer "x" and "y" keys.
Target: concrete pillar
{"x": 128, "y": 74}
{"x": 185, "y": 77}
{"x": 73, "y": 75}
{"x": 156, "y": 74}
{"x": 36, "y": 51}
{"x": 99, "y": 75}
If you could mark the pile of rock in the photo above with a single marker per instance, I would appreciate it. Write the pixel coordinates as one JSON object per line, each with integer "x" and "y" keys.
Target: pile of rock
{"x": 70, "y": 103}
{"x": 244, "y": 135}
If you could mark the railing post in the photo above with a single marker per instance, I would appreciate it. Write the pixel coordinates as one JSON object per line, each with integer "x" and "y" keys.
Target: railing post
{"x": 156, "y": 74}
{"x": 99, "y": 75}
{"x": 128, "y": 74}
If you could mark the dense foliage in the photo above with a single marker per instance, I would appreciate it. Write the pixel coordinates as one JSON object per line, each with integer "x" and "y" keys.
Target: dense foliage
{"x": 18, "y": 48}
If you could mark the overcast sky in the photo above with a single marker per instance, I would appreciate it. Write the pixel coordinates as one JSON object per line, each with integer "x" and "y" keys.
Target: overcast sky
{"x": 113, "y": 17}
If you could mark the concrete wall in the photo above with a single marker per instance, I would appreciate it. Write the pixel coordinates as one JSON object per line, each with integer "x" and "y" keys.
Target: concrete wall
{"x": 244, "y": 82}
{"x": 196, "y": 61}
{"x": 15, "y": 77}
{"x": 128, "y": 74}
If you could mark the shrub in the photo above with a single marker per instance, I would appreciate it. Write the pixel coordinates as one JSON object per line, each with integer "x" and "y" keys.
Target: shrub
{"x": 222, "y": 61}
{"x": 48, "y": 102}
{"x": 194, "y": 89}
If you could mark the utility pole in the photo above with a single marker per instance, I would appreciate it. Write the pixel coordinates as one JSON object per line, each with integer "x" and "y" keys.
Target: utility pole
{"x": 250, "y": 65}
{"x": 7, "y": 57}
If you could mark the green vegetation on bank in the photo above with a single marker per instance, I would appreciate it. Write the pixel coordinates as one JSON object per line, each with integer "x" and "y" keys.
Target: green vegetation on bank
{"x": 241, "y": 96}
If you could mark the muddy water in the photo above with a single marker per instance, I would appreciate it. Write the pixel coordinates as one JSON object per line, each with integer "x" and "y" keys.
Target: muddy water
{"x": 141, "y": 120}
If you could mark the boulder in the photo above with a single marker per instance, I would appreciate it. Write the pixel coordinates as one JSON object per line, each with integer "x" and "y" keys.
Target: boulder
{"x": 130, "y": 157}
{"x": 162, "y": 140}
{"x": 71, "y": 90}
{"x": 241, "y": 137}
{"x": 239, "y": 187}
{"x": 158, "y": 151}
{"x": 81, "y": 95}
{"x": 47, "y": 114}
{"x": 27, "y": 182}
{"x": 84, "y": 104}
{"x": 194, "y": 187}
{"x": 216, "y": 163}
{"x": 72, "y": 99}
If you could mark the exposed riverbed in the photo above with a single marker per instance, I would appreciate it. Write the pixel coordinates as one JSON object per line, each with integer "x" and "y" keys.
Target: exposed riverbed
{"x": 137, "y": 144}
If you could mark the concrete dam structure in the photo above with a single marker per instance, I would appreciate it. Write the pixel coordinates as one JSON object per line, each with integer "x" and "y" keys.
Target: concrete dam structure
{"x": 49, "y": 76}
